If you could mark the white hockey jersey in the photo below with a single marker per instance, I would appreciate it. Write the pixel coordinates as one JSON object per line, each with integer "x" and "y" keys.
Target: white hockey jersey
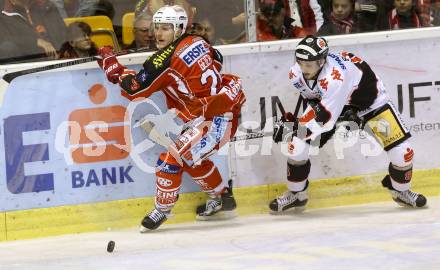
{"x": 345, "y": 79}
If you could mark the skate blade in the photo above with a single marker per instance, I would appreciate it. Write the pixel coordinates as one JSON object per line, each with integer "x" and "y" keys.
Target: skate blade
{"x": 293, "y": 210}
{"x": 142, "y": 229}
{"x": 222, "y": 215}
{"x": 403, "y": 204}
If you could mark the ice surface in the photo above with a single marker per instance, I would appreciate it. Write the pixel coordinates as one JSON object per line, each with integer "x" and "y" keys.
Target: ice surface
{"x": 372, "y": 236}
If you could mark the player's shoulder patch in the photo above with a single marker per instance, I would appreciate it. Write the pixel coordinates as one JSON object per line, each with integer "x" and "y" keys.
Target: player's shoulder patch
{"x": 160, "y": 60}
{"x": 295, "y": 78}
{"x": 194, "y": 51}
{"x": 294, "y": 73}
{"x": 331, "y": 79}
{"x": 347, "y": 56}
{"x": 337, "y": 59}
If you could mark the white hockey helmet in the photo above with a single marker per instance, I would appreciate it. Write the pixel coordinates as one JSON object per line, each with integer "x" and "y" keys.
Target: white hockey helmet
{"x": 174, "y": 15}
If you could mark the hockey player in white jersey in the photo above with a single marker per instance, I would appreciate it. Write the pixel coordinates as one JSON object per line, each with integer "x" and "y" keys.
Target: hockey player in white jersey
{"x": 342, "y": 87}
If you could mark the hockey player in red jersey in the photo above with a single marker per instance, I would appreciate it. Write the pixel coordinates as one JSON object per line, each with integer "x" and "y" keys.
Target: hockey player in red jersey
{"x": 342, "y": 87}
{"x": 187, "y": 70}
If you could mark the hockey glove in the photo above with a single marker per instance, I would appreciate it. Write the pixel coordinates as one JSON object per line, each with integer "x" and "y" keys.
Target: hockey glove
{"x": 126, "y": 73}
{"x": 112, "y": 68}
{"x": 313, "y": 103}
{"x": 278, "y": 129}
{"x": 288, "y": 117}
{"x": 282, "y": 125}
{"x": 349, "y": 114}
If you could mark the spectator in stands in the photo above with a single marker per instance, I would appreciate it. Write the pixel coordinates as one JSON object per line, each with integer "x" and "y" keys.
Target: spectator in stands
{"x": 143, "y": 33}
{"x": 204, "y": 29}
{"x": 403, "y": 15}
{"x": 341, "y": 19}
{"x": 78, "y": 42}
{"x": 227, "y": 26}
{"x": 203, "y": 26}
{"x": 435, "y": 13}
{"x": 102, "y": 8}
{"x": 75, "y": 8}
{"x": 47, "y": 21}
{"x": 19, "y": 40}
{"x": 60, "y": 6}
{"x": 423, "y": 8}
{"x": 365, "y": 14}
{"x": 86, "y": 8}
{"x": 272, "y": 22}
{"x": 307, "y": 15}
{"x": 151, "y": 6}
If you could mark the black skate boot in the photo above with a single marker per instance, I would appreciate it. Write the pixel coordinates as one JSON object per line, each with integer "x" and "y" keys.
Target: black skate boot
{"x": 228, "y": 201}
{"x": 290, "y": 200}
{"x": 404, "y": 198}
{"x": 153, "y": 220}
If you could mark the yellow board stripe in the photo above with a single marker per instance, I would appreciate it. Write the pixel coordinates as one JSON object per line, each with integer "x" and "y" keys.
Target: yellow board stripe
{"x": 251, "y": 200}
{"x": 3, "y": 227}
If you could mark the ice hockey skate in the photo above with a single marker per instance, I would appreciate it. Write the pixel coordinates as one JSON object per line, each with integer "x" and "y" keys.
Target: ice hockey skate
{"x": 405, "y": 198}
{"x": 218, "y": 208}
{"x": 153, "y": 220}
{"x": 289, "y": 201}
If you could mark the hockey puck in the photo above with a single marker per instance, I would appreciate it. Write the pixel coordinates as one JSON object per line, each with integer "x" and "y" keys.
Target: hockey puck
{"x": 110, "y": 246}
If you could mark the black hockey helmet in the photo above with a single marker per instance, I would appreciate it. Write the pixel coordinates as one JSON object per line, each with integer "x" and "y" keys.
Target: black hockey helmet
{"x": 311, "y": 48}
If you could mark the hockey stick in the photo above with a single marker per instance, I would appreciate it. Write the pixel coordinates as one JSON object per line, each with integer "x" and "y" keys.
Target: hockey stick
{"x": 165, "y": 141}
{"x": 10, "y": 76}
{"x": 250, "y": 136}
{"x": 7, "y": 78}
{"x": 154, "y": 135}
{"x": 256, "y": 135}
{"x": 280, "y": 125}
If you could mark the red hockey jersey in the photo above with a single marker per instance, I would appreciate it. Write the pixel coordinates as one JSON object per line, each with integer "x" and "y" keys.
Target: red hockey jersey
{"x": 187, "y": 71}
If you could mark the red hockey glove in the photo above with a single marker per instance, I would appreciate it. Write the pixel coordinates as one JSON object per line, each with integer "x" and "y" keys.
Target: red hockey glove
{"x": 125, "y": 73}
{"x": 288, "y": 117}
{"x": 112, "y": 68}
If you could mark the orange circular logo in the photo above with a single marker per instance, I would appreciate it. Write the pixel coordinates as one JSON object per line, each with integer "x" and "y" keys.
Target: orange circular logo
{"x": 321, "y": 43}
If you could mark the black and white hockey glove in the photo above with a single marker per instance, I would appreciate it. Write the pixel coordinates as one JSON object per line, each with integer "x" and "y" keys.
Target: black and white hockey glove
{"x": 282, "y": 125}
{"x": 350, "y": 114}
{"x": 278, "y": 129}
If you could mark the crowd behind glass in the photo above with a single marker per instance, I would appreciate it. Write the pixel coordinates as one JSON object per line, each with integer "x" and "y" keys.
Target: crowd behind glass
{"x": 36, "y": 30}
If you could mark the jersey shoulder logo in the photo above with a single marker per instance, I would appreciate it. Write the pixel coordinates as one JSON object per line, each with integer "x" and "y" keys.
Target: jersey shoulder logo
{"x": 323, "y": 83}
{"x": 159, "y": 58}
{"x": 292, "y": 74}
{"x": 194, "y": 52}
{"x": 336, "y": 75}
{"x": 351, "y": 57}
{"x": 295, "y": 79}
